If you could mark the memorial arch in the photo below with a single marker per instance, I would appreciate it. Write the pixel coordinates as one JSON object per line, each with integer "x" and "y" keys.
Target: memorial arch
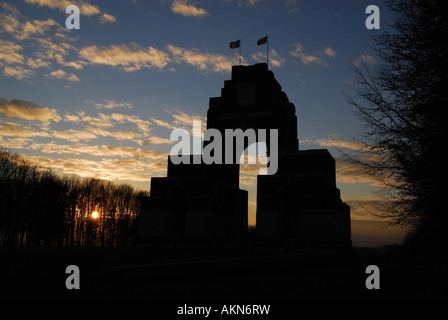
{"x": 299, "y": 205}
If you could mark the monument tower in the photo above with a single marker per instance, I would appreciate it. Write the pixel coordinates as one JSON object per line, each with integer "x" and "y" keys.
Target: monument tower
{"x": 298, "y": 206}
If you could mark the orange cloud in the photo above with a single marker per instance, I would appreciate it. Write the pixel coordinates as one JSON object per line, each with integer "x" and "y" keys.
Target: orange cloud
{"x": 17, "y": 72}
{"x": 15, "y": 130}
{"x": 10, "y": 22}
{"x": 36, "y": 27}
{"x": 61, "y": 74}
{"x": 21, "y": 109}
{"x": 99, "y": 150}
{"x": 352, "y": 145}
{"x": 85, "y": 8}
{"x": 9, "y": 52}
{"x": 127, "y": 57}
{"x": 97, "y": 123}
{"x": 105, "y": 18}
{"x": 202, "y": 60}
{"x": 366, "y": 207}
{"x": 110, "y": 104}
{"x": 156, "y": 140}
{"x": 74, "y": 135}
{"x": 350, "y": 172}
{"x": 306, "y": 58}
{"x": 74, "y": 64}
{"x": 15, "y": 142}
{"x": 184, "y": 8}
{"x": 37, "y": 63}
{"x": 274, "y": 58}
{"x": 110, "y": 169}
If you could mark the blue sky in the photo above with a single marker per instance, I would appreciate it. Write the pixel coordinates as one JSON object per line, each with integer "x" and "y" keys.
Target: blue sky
{"x": 102, "y": 100}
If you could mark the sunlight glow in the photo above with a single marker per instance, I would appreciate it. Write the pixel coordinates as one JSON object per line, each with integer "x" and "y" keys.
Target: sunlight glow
{"x": 95, "y": 215}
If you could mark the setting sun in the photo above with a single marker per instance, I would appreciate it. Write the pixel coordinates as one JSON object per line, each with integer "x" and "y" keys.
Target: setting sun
{"x": 94, "y": 214}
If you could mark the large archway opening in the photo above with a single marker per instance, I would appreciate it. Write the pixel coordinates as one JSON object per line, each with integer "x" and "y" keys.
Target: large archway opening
{"x": 253, "y": 162}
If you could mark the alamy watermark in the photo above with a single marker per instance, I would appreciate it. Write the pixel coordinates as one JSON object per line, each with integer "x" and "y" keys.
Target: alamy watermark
{"x": 72, "y": 281}
{"x": 72, "y": 21}
{"x": 233, "y": 148}
{"x": 373, "y": 20}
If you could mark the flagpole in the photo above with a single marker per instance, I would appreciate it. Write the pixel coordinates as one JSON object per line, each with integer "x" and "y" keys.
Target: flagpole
{"x": 239, "y": 58}
{"x": 267, "y": 51}
{"x": 234, "y": 45}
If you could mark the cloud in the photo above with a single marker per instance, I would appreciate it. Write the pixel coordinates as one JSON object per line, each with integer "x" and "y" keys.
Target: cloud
{"x": 329, "y": 52}
{"x": 105, "y": 18}
{"x": 364, "y": 58}
{"x": 110, "y": 169}
{"x": 60, "y": 59}
{"x": 54, "y": 4}
{"x": 156, "y": 140}
{"x": 99, "y": 151}
{"x": 87, "y": 134}
{"x": 133, "y": 57}
{"x": 25, "y": 110}
{"x": 84, "y": 6}
{"x": 49, "y": 49}
{"x": 15, "y": 130}
{"x": 163, "y": 123}
{"x": 17, "y": 72}
{"x": 74, "y": 135}
{"x": 349, "y": 172}
{"x": 185, "y": 121}
{"x": 37, "y": 63}
{"x": 366, "y": 207}
{"x": 10, "y": 22}
{"x": 306, "y": 58}
{"x": 88, "y": 9}
{"x": 352, "y": 145}
{"x": 9, "y": 52}
{"x": 47, "y": 46}
{"x": 36, "y": 27}
{"x": 181, "y": 120}
{"x": 141, "y": 124}
{"x": 106, "y": 121}
{"x": 75, "y": 155}
{"x": 291, "y": 5}
{"x": 309, "y": 58}
{"x": 274, "y": 58}
{"x": 61, "y": 74}
{"x": 248, "y": 3}
{"x": 118, "y": 135}
{"x": 127, "y": 57}
{"x": 110, "y": 104}
{"x": 249, "y": 172}
{"x": 184, "y": 8}
{"x": 15, "y": 142}
{"x": 207, "y": 62}
{"x": 102, "y": 121}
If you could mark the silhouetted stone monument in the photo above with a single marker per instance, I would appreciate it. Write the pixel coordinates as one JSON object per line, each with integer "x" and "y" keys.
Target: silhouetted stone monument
{"x": 298, "y": 206}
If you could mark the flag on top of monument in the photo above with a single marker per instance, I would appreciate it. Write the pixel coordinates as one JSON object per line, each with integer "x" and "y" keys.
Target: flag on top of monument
{"x": 262, "y": 41}
{"x": 235, "y": 44}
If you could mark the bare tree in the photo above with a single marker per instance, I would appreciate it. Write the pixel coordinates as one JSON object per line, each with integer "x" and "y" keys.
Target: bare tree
{"x": 400, "y": 103}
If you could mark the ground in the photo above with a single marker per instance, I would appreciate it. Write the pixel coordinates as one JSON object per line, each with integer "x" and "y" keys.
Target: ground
{"x": 194, "y": 274}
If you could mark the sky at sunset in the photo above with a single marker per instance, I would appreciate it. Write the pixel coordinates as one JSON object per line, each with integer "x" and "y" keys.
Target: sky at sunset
{"x": 102, "y": 100}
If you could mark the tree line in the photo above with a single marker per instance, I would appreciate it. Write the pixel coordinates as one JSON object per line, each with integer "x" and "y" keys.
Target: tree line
{"x": 40, "y": 207}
